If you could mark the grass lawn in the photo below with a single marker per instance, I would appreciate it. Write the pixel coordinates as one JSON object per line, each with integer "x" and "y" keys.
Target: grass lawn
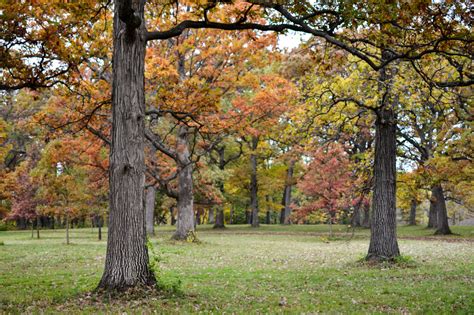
{"x": 273, "y": 269}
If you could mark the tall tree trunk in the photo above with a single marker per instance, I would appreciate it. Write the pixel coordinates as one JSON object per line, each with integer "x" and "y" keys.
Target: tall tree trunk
{"x": 383, "y": 236}
{"x": 32, "y": 228}
{"x": 287, "y": 194}
{"x": 186, "y": 221}
{"x": 412, "y": 220}
{"x": 150, "y": 210}
{"x": 231, "y": 215}
{"x": 443, "y": 225}
{"x": 433, "y": 212}
{"x": 219, "y": 224}
{"x": 383, "y": 228}
{"x": 254, "y": 183}
{"x": 127, "y": 262}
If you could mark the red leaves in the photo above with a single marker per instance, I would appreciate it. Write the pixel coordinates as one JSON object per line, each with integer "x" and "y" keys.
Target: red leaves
{"x": 328, "y": 183}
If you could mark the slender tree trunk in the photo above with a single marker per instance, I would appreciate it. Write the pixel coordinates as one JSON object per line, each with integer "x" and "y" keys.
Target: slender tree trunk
{"x": 383, "y": 236}
{"x": 331, "y": 234}
{"x": 287, "y": 194}
{"x": 412, "y": 220}
{"x": 32, "y": 228}
{"x": 127, "y": 262}
{"x": 186, "y": 220}
{"x": 150, "y": 210}
{"x": 443, "y": 225}
{"x": 433, "y": 212}
{"x": 220, "y": 224}
{"x": 67, "y": 228}
{"x": 37, "y": 227}
{"x": 254, "y": 183}
{"x": 268, "y": 217}
{"x": 231, "y": 219}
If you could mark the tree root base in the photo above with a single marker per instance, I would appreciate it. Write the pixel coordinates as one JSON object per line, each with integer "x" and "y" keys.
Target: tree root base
{"x": 190, "y": 237}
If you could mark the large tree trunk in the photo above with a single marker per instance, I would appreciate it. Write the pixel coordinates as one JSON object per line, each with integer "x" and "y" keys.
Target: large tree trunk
{"x": 356, "y": 216}
{"x": 433, "y": 212}
{"x": 210, "y": 218}
{"x": 442, "y": 227}
{"x": 412, "y": 219}
{"x": 287, "y": 194}
{"x": 219, "y": 224}
{"x": 254, "y": 183}
{"x": 383, "y": 237}
{"x": 185, "y": 224}
{"x": 127, "y": 262}
{"x": 150, "y": 210}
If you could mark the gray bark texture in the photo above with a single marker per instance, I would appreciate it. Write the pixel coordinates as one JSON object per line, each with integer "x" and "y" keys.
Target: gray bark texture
{"x": 432, "y": 214}
{"x": 383, "y": 228}
{"x": 127, "y": 262}
{"x": 254, "y": 184}
{"x": 219, "y": 224}
{"x": 383, "y": 236}
{"x": 442, "y": 228}
{"x": 210, "y": 218}
{"x": 150, "y": 210}
{"x": 185, "y": 224}
{"x": 287, "y": 193}
{"x": 356, "y": 216}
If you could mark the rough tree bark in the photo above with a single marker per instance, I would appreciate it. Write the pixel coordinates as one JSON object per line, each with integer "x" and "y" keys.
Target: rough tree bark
{"x": 287, "y": 194}
{"x": 383, "y": 228}
{"x": 383, "y": 239}
{"x": 254, "y": 183}
{"x": 383, "y": 236}
{"x": 219, "y": 223}
{"x": 185, "y": 223}
{"x": 442, "y": 227}
{"x": 356, "y": 216}
{"x": 432, "y": 214}
{"x": 150, "y": 210}
{"x": 211, "y": 218}
{"x": 412, "y": 219}
{"x": 127, "y": 262}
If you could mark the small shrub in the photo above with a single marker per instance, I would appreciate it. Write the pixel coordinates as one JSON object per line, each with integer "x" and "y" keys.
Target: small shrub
{"x": 3, "y": 226}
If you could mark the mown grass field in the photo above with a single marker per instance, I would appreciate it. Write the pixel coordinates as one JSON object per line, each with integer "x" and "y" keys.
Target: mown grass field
{"x": 273, "y": 269}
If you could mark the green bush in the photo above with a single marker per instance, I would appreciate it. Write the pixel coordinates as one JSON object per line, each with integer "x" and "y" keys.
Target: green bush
{"x": 3, "y": 226}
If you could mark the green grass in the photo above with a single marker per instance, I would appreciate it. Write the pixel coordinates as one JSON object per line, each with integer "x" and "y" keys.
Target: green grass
{"x": 273, "y": 269}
